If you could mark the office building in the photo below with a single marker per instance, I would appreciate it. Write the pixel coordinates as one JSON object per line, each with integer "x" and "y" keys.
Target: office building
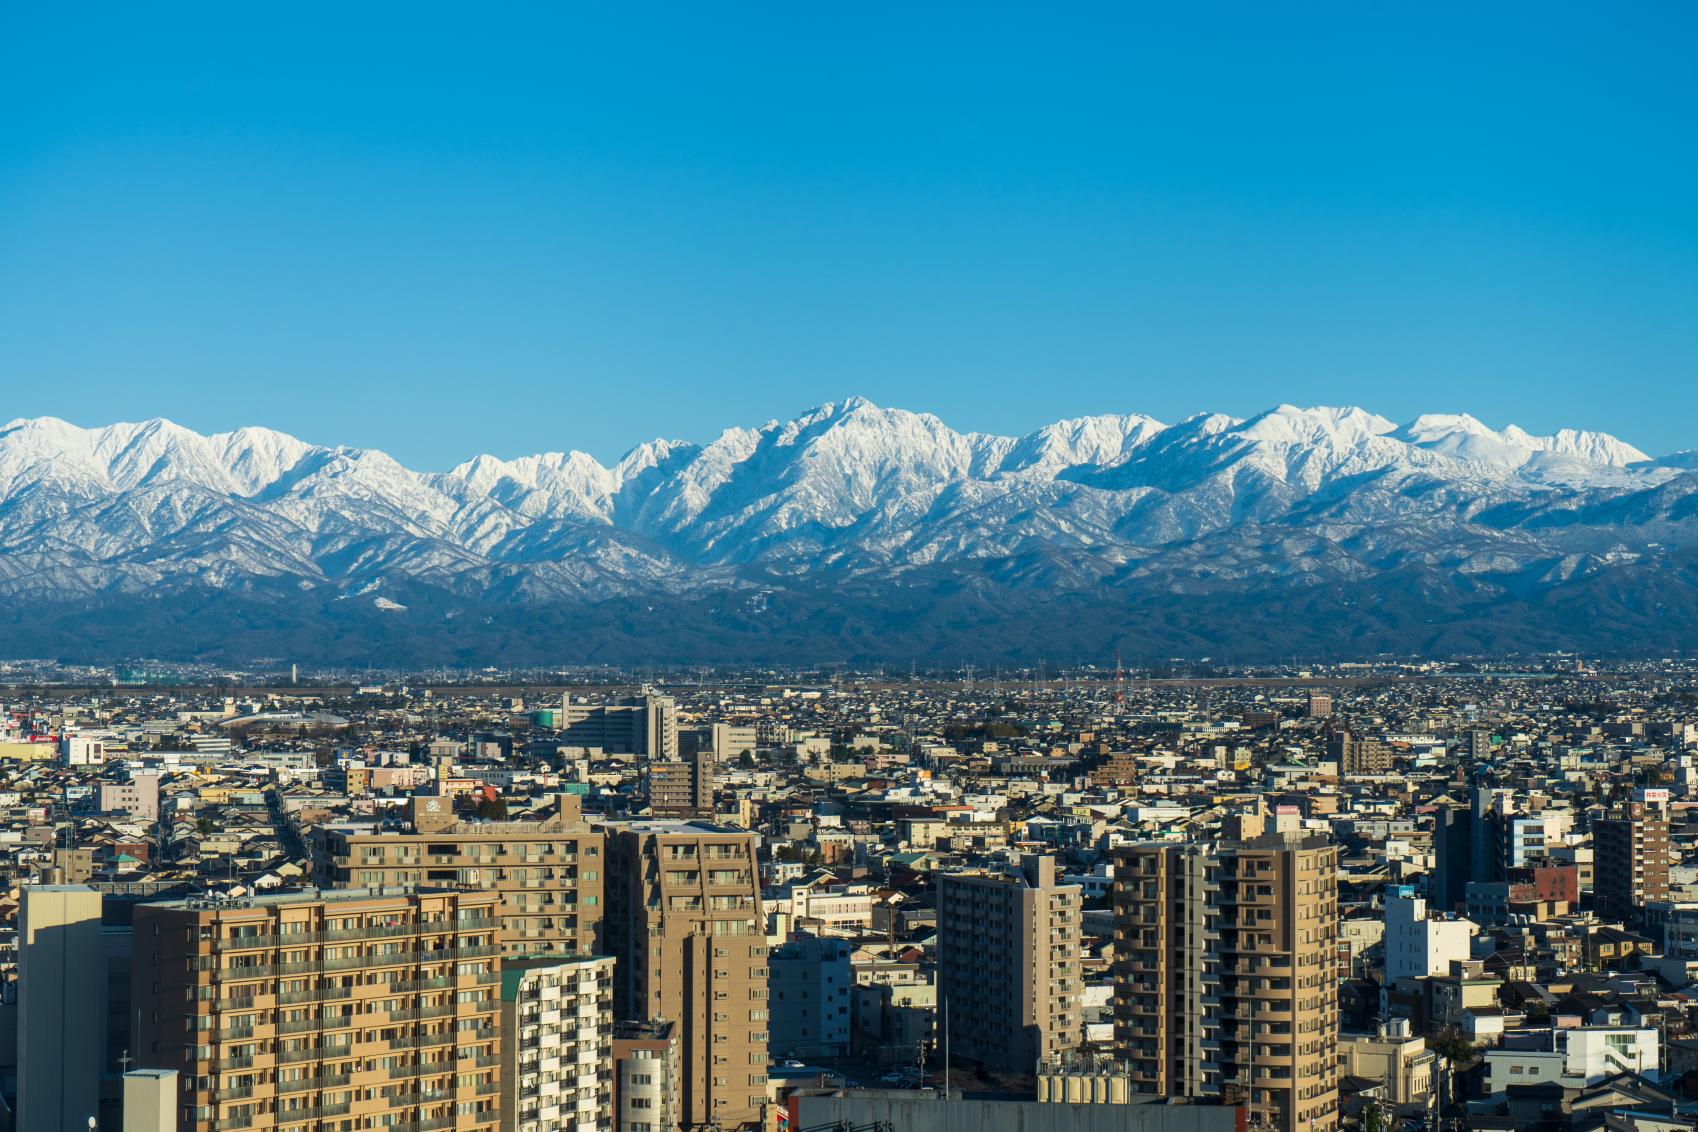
{"x": 298, "y": 1013}
{"x": 1319, "y": 705}
{"x": 682, "y": 787}
{"x": 684, "y": 922}
{"x": 1631, "y": 855}
{"x": 635, "y": 725}
{"x": 1483, "y": 842}
{"x": 82, "y": 750}
{"x": 1008, "y": 953}
{"x": 645, "y": 1076}
{"x": 548, "y": 872}
{"x": 731, "y": 741}
{"x": 556, "y": 1044}
{"x": 61, "y": 1007}
{"x": 1225, "y": 974}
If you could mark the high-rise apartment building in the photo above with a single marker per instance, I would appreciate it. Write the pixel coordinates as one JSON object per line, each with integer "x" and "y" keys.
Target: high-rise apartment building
{"x": 1008, "y": 956}
{"x": 548, "y": 872}
{"x": 682, "y": 788}
{"x": 684, "y": 923}
{"x": 299, "y": 1013}
{"x": 1630, "y": 855}
{"x": 557, "y": 1044}
{"x": 1225, "y": 976}
{"x": 1357, "y": 754}
{"x": 61, "y": 1007}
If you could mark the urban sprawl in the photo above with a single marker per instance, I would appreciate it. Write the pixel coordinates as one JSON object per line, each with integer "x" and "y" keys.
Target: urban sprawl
{"x": 1375, "y": 895}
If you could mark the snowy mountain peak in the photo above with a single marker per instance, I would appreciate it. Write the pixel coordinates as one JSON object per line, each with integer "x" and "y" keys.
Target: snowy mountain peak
{"x": 1465, "y": 438}
{"x": 847, "y": 489}
{"x": 1337, "y": 427}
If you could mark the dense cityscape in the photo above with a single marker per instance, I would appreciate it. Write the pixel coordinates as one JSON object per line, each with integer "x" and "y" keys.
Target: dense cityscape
{"x": 1360, "y": 895}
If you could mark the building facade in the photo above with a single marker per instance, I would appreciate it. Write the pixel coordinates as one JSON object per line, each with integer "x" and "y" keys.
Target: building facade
{"x": 61, "y": 1007}
{"x": 682, "y": 787}
{"x": 1631, "y": 856}
{"x": 1008, "y": 955}
{"x": 557, "y": 1044}
{"x": 809, "y": 998}
{"x": 645, "y": 1077}
{"x": 548, "y": 873}
{"x": 299, "y": 1013}
{"x": 684, "y": 922}
{"x": 1225, "y": 984}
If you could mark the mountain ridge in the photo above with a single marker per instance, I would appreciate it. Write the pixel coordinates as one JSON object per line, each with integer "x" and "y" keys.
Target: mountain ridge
{"x": 1109, "y": 513}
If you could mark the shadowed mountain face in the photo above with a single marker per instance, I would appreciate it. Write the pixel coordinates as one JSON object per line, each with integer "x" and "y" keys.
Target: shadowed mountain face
{"x": 857, "y": 533}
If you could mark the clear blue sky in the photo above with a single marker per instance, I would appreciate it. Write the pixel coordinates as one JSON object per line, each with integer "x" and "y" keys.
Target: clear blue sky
{"x": 441, "y": 230}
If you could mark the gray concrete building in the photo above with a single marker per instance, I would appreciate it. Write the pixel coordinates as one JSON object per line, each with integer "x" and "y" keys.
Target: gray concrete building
{"x": 61, "y": 1008}
{"x": 1008, "y": 964}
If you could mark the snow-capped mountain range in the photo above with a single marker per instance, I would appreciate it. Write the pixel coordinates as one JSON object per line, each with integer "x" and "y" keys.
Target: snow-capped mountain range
{"x": 849, "y": 497}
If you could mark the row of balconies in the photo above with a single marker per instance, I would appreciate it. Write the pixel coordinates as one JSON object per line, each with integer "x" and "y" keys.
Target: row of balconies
{"x": 337, "y": 935}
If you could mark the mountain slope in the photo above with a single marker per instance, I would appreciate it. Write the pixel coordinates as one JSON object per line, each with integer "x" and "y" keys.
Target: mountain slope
{"x": 1327, "y": 525}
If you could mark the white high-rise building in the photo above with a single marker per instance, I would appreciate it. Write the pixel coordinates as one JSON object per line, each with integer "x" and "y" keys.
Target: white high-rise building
{"x": 557, "y": 1044}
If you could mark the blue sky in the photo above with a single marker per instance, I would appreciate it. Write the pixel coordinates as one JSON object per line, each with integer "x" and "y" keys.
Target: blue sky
{"x": 441, "y": 230}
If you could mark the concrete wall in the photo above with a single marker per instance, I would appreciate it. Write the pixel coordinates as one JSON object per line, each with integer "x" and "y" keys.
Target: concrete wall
{"x": 61, "y": 1008}
{"x": 150, "y": 1100}
{"x": 907, "y": 1112}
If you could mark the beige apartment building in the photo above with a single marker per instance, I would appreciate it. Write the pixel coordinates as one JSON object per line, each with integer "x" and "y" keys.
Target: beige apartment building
{"x": 548, "y": 873}
{"x": 1225, "y": 979}
{"x": 299, "y": 1013}
{"x": 1008, "y": 955}
{"x": 684, "y": 923}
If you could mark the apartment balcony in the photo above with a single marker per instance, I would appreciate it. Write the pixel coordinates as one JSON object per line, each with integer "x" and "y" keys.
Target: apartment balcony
{"x": 321, "y": 1081}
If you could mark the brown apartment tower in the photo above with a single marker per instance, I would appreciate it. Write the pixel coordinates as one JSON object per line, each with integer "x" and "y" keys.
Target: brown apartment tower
{"x": 548, "y": 872}
{"x": 1008, "y": 956}
{"x": 682, "y": 787}
{"x": 1225, "y": 979}
{"x": 684, "y": 926}
{"x": 1630, "y": 855}
{"x": 299, "y": 1013}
